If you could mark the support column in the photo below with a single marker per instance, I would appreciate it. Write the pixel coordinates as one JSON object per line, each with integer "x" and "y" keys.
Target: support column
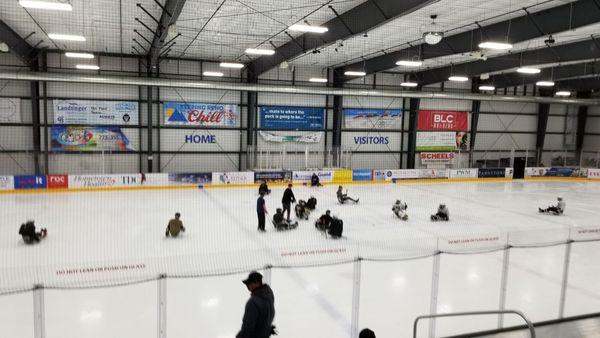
{"x": 412, "y": 131}
{"x": 582, "y": 113}
{"x": 543, "y": 111}
{"x": 475, "y": 109}
{"x": 149, "y": 98}
{"x": 39, "y": 319}
{"x": 35, "y": 122}
{"x": 338, "y": 107}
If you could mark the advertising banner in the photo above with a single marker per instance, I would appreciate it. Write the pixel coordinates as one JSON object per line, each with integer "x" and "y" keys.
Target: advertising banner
{"x": 433, "y": 173}
{"x": 291, "y": 118}
{"x": 491, "y": 172}
{"x": 443, "y": 120}
{"x": 72, "y": 138}
{"x": 58, "y": 181}
{"x": 272, "y": 176}
{"x": 359, "y": 175}
{"x": 562, "y": 172}
{"x": 7, "y": 183}
{"x": 90, "y": 112}
{"x": 373, "y": 118}
{"x": 158, "y": 179}
{"x": 463, "y": 173}
{"x": 244, "y": 177}
{"x": 342, "y": 176}
{"x": 201, "y": 114}
{"x": 10, "y": 110}
{"x": 300, "y": 137}
{"x": 379, "y": 175}
{"x": 437, "y": 158}
{"x": 536, "y": 171}
{"x": 30, "y": 182}
{"x": 304, "y": 176}
{"x": 190, "y": 178}
{"x": 436, "y": 141}
{"x": 509, "y": 172}
{"x": 402, "y": 174}
{"x": 593, "y": 173}
{"x": 104, "y": 181}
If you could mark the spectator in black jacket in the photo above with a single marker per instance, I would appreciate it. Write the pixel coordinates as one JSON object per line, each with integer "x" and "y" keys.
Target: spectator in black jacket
{"x": 287, "y": 200}
{"x": 260, "y": 309}
{"x": 314, "y": 180}
{"x": 366, "y": 333}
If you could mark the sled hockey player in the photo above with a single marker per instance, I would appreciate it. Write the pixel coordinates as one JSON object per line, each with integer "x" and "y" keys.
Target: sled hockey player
{"x": 302, "y": 212}
{"x": 342, "y": 198}
{"x": 280, "y": 223}
{"x": 264, "y": 188}
{"x": 559, "y": 209}
{"x": 27, "y": 232}
{"x": 336, "y": 227}
{"x": 324, "y": 221}
{"x": 175, "y": 226}
{"x": 443, "y": 214}
{"x": 311, "y": 204}
{"x": 315, "y": 181}
{"x": 399, "y": 210}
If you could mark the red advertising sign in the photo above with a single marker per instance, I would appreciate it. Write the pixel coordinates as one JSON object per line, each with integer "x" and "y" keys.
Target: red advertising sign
{"x": 443, "y": 120}
{"x": 58, "y": 181}
{"x": 437, "y": 158}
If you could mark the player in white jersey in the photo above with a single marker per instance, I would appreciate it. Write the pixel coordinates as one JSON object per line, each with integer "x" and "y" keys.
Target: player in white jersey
{"x": 443, "y": 214}
{"x": 557, "y": 209}
{"x": 399, "y": 209}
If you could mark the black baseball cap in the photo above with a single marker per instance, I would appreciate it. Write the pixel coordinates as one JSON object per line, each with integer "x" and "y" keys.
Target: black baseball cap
{"x": 253, "y": 277}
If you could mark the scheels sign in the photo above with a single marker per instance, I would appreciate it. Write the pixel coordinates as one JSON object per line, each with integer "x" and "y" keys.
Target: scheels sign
{"x": 443, "y": 120}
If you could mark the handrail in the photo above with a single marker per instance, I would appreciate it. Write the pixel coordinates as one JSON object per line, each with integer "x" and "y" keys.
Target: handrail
{"x": 475, "y": 313}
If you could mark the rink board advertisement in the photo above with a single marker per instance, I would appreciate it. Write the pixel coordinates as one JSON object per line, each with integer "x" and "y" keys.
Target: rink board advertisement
{"x": 591, "y": 173}
{"x": 373, "y": 118}
{"x": 379, "y": 175}
{"x": 201, "y": 114}
{"x": 244, "y": 177}
{"x": 79, "y": 138}
{"x": 30, "y": 182}
{"x": 10, "y": 110}
{"x": 342, "y": 176}
{"x": 90, "y": 112}
{"x": 464, "y": 173}
{"x": 491, "y": 172}
{"x": 7, "y": 183}
{"x": 291, "y": 118}
{"x": 58, "y": 181}
{"x": 562, "y": 172}
{"x": 104, "y": 181}
{"x": 272, "y": 176}
{"x": 305, "y": 176}
{"x": 437, "y": 158}
{"x": 402, "y": 174}
{"x": 443, "y": 120}
{"x": 362, "y": 175}
{"x": 433, "y": 173}
{"x": 190, "y": 178}
{"x": 535, "y": 171}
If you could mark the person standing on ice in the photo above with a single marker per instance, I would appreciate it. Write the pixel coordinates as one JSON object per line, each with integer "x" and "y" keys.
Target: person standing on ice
{"x": 260, "y": 309}
{"x": 342, "y": 198}
{"x": 443, "y": 214}
{"x": 261, "y": 210}
{"x": 175, "y": 226}
{"x": 287, "y": 200}
{"x": 399, "y": 210}
{"x": 559, "y": 209}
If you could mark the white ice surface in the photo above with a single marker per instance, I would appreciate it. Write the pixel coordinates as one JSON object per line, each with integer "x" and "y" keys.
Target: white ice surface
{"x": 108, "y": 229}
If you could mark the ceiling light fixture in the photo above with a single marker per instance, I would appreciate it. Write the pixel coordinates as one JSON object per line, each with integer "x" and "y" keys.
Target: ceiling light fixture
{"x": 209, "y": 73}
{"x": 4, "y": 47}
{"x": 495, "y": 45}
{"x": 544, "y": 83}
{"x": 87, "y": 67}
{"x": 486, "y": 87}
{"x": 259, "y": 51}
{"x": 79, "y": 55}
{"x": 409, "y": 84}
{"x": 433, "y": 35}
{"x": 308, "y": 28}
{"x": 231, "y": 65}
{"x": 318, "y": 79}
{"x": 354, "y": 73}
{"x": 563, "y": 93}
{"x": 528, "y": 70}
{"x": 66, "y": 37}
{"x": 56, "y": 6}
{"x": 410, "y": 63}
{"x": 457, "y": 78}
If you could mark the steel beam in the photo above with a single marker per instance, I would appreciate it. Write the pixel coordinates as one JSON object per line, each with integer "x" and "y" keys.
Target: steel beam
{"x": 171, "y": 11}
{"x": 357, "y": 20}
{"x": 475, "y": 109}
{"x": 550, "y": 21}
{"x": 23, "y": 50}
{"x": 577, "y": 70}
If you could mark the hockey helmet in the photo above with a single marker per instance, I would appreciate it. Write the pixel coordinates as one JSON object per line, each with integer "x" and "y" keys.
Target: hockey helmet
{"x": 559, "y": 198}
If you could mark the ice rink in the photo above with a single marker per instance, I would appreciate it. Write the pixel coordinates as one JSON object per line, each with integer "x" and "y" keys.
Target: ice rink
{"x": 99, "y": 239}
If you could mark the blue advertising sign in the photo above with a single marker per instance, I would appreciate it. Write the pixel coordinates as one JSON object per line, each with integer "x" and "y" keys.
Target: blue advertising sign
{"x": 362, "y": 175}
{"x": 191, "y": 178}
{"x": 291, "y": 118}
{"x": 30, "y": 182}
{"x": 562, "y": 172}
{"x": 272, "y": 176}
{"x": 491, "y": 172}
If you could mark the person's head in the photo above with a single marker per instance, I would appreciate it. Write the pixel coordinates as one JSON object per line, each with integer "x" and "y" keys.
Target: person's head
{"x": 177, "y": 215}
{"x": 559, "y": 198}
{"x": 289, "y": 185}
{"x": 340, "y": 187}
{"x": 328, "y": 212}
{"x": 253, "y": 281}
{"x": 397, "y": 201}
{"x": 442, "y": 206}
{"x": 366, "y": 333}
{"x": 261, "y": 193}
{"x": 279, "y": 210}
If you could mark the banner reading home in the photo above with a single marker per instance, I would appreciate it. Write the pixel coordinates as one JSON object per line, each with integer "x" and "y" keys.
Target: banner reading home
{"x": 73, "y": 138}
{"x": 202, "y": 114}
{"x": 91, "y": 112}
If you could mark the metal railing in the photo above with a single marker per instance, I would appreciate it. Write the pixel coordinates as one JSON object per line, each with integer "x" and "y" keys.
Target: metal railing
{"x": 475, "y": 313}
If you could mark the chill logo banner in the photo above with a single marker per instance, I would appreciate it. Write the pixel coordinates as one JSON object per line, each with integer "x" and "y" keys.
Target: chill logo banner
{"x": 90, "y": 112}
{"x": 10, "y": 110}
{"x": 71, "y": 138}
{"x": 373, "y": 118}
{"x": 443, "y": 120}
{"x": 291, "y": 118}
{"x": 201, "y": 114}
